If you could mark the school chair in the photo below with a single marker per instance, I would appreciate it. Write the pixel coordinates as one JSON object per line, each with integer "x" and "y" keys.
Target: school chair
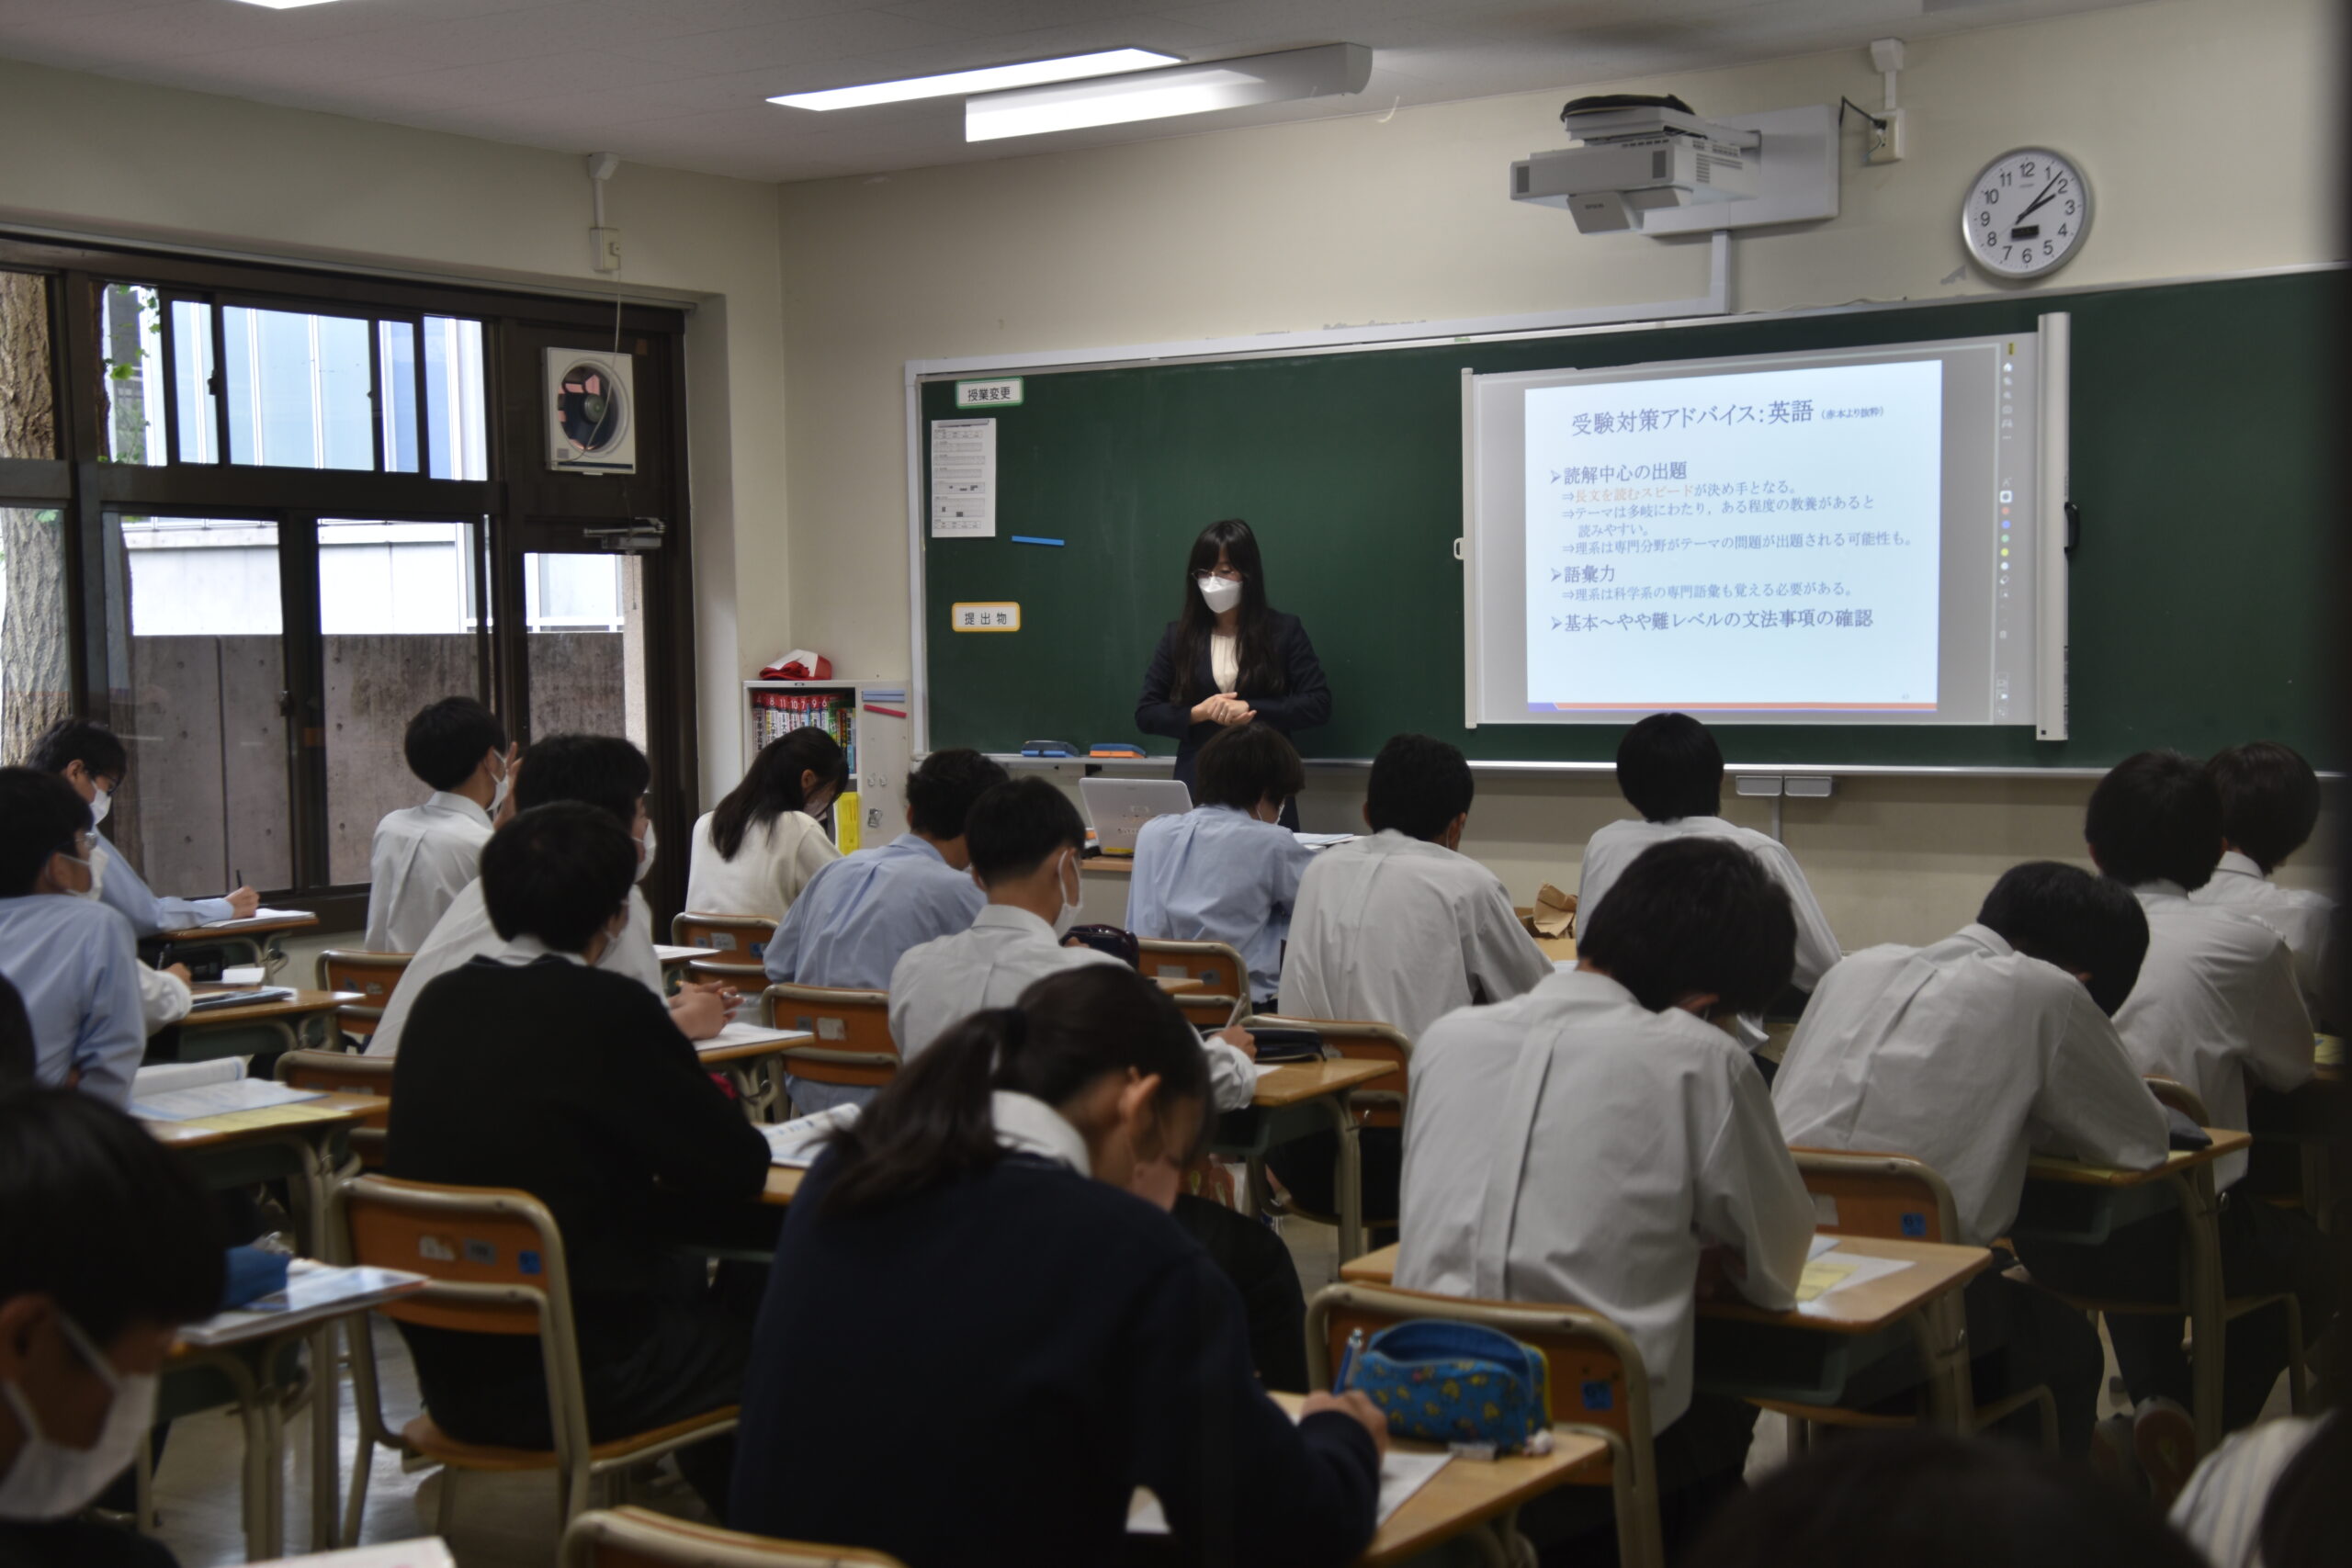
{"x": 497, "y": 1267}
{"x": 639, "y": 1538}
{"x": 1224, "y": 997}
{"x": 743, "y": 938}
{"x": 1593, "y": 1376}
{"x": 372, "y": 975}
{"x": 1895, "y": 1198}
{"x": 852, "y": 1048}
{"x": 347, "y": 1072}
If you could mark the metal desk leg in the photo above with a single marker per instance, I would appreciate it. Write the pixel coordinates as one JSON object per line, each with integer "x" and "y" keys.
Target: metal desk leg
{"x": 2202, "y": 1291}
{"x": 1940, "y": 1329}
{"x": 1347, "y": 1176}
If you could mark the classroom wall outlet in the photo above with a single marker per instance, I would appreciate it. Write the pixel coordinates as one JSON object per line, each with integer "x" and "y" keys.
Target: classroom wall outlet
{"x": 1884, "y": 146}
{"x": 604, "y": 247}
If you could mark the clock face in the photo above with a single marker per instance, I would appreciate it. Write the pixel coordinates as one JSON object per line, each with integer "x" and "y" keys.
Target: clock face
{"x": 2026, "y": 214}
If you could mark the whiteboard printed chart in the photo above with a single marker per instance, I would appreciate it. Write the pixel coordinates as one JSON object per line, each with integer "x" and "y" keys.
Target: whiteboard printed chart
{"x": 1761, "y": 541}
{"x": 963, "y": 478}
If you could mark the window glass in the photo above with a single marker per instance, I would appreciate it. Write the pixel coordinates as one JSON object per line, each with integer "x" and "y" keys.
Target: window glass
{"x": 199, "y": 418}
{"x": 396, "y": 353}
{"x": 454, "y": 400}
{"x": 130, "y": 320}
{"x": 298, "y": 389}
{"x": 586, "y": 646}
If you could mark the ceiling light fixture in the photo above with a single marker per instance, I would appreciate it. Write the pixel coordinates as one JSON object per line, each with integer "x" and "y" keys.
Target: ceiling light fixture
{"x": 287, "y": 4}
{"x": 1320, "y": 72}
{"x": 988, "y": 78}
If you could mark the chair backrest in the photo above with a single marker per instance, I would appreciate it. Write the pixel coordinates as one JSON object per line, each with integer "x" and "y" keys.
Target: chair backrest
{"x": 1217, "y": 965}
{"x": 374, "y": 975}
{"x": 639, "y": 1538}
{"x": 1892, "y": 1197}
{"x": 346, "y": 1072}
{"x": 743, "y": 938}
{"x": 2179, "y": 1097}
{"x": 1381, "y": 1103}
{"x": 853, "y": 1029}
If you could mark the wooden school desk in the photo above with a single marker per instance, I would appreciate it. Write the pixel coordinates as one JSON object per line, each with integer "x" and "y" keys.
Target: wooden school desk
{"x": 1469, "y": 1494}
{"x": 1809, "y": 1354}
{"x": 2067, "y": 1200}
{"x": 740, "y": 1061}
{"x": 228, "y": 942}
{"x": 1297, "y": 1102}
{"x": 676, "y": 958}
{"x": 262, "y": 1026}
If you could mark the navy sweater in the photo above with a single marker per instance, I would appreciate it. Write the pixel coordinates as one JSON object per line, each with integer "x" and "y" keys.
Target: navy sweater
{"x": 982, "y": 1373}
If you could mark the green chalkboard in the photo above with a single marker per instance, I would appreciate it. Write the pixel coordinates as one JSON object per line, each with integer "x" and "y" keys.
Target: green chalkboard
{"x": 2205, "y": 432}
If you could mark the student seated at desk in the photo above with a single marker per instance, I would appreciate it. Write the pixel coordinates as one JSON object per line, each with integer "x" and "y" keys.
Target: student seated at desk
{"x": 598, "y": 770}
{"x": 423, "y": 856}
{"x": 978, "y": 1340}
{"x": 1969, "y": 1055}
{"x": 1587, "y": 1143}
{"x": 528, "y": 1066}
{"x": 2270, "y": 806}
{"x": 756, "y": 850}
{"x": 70, "y": 957}
{"x": 2216, "y": 1001}
{"x": 860, "y": 914}
{"x": 1398, "y": 929}
{"x": 1669, "y": 770}
{"x": 108, "y": 1246}
{"x": 89, "y": 757}
{"x": 1228, "y": 871}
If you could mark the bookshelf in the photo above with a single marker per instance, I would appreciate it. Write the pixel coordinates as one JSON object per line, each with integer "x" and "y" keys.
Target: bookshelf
{"x": 869, "y": 719}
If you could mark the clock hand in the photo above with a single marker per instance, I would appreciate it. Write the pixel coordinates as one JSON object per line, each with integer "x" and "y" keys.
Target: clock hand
{"x": 2047, "y": 192}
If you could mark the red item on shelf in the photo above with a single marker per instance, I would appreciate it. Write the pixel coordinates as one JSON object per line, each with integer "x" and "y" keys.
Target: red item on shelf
{"x": 800, "y": 664}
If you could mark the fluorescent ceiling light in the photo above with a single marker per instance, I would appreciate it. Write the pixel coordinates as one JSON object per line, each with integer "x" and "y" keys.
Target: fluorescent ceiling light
{"x": 988, "y": 79}
{"x": 1316, "y": 72}
{"x": 287, "y": 4}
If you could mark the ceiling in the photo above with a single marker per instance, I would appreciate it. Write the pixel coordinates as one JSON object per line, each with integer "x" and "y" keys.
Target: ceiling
{"x": 683, "y": 82}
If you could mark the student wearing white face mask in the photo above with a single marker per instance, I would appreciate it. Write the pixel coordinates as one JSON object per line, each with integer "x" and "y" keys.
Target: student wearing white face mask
{"x": 423, "y": 856}
{"x": 758, "y": 848}
{"x": 1230, "y": 659}
{"x": 70, "y": 957}
{"x": 91, "y": 758}
{"x": 108, "y": 1244}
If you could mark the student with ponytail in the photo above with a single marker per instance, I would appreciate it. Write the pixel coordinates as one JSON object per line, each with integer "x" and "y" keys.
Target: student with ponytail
{"x": 979, "y": 1275}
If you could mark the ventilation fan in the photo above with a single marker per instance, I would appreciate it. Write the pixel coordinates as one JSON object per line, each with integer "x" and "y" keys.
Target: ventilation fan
{"x": 591, "y": 412}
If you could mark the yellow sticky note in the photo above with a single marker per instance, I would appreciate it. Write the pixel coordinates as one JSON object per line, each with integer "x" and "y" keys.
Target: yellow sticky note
{"x": 1820, "y": 1275}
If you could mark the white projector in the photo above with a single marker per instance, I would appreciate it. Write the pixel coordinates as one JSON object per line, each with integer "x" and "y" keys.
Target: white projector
{"x": 1637, "y": 156}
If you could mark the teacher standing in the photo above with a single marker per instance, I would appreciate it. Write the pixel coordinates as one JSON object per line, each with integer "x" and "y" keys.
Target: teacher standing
{"x": 1230, "y": 659}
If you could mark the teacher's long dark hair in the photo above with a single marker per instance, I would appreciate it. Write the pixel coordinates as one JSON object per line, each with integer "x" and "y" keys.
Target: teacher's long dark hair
{"x": 932, "y": 1123}
{"x": 1262, "y": 674}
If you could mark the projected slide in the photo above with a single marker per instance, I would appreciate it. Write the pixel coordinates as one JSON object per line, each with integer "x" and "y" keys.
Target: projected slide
{"x": 1736, "y": 542}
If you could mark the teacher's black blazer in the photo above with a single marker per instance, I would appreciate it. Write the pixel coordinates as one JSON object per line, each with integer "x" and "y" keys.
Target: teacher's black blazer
{"x": 1304, "y": 705}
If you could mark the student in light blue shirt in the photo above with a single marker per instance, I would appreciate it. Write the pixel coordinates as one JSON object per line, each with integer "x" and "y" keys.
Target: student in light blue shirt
{"x": 91, "y": 758}
{"x": 1225, "y": 870}
{"x": 858, "y": 915}
{"x": 70, "y": 957}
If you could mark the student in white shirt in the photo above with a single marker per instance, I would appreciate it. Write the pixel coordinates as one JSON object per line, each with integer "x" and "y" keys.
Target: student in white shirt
{"x": 1228, "y": 871}
{"x": 1969, "y": 1054}
{"x": 1669, "y": 770}
{"x": 756, "y": 850}
{"x": 2216, "y": 1001}
{"x": 1591, "y": 1141}
{"x": 423, "y": 856}
{"x": 2270, "y": 806}
{"x": 603, "y": 771}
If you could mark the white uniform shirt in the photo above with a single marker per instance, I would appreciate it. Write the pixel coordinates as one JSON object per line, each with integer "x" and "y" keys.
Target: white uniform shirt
{"x": 1215, "y": 873}
{"x": 465, "y": 932}
{"x": 164, "y": 1000}
{"x": 1396, "y": 930}
{"x": 422, "y": 859}
{"x": 2301, "y": 918}
{"x": 2221, "y": 1510}
{"x": 941, "y": 983}
{"x": 2216, "y": 999}
{"x": 770, "y": 866}
{"x": 1970, "y": 1056}
{"x": 1573, "y": 1146}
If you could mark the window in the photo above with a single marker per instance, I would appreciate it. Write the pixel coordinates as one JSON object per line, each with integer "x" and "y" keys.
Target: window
{"x": 36, "y": 640}
{"x": 586, "y": 643}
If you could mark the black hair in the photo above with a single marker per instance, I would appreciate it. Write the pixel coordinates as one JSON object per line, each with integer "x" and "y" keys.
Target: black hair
{"x": 1690, "y": 917}
{"x": 1669, "y": 767}
{"x": 19, "y": 1058}
{"x": 770, "y": 785}
{"x": 1014, "y": 827}
{"x": 445, "y": 741}
{"x": 83, "y": 740}
{"x": 2155, "y": 817}
{"x": 932, "y": 1123}
{"x": 940, "y": 794}
{"x": 1261, "y": 673}
{"x": 1245, "y": 765}
{"x": 1419, "y": 784}
{"x": 557, "y": 872}
{"x": 2063, "y": 915}
{"x": 2270, "y": 800}
{"x": 99, "y": 1216}
{"x": 603, "y": 770}
{"x": 40, "y": 815}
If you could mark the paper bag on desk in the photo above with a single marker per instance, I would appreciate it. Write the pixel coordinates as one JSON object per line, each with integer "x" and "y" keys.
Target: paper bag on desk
{"x": 1555, "y": 912}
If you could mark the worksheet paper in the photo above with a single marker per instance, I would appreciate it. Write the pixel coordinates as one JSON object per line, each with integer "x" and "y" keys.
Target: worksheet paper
{"x": 1401, "y": 1475}
{"x": 427, "y": 1552}
{"x": 1829, "y": 1271}
{"x": 216, "y": 1099}
{"x": 741, "y": 1033}
{"x": 259, "y": 917}
{"x": 963, "y": 478}
{"x": 798, "y": 1143}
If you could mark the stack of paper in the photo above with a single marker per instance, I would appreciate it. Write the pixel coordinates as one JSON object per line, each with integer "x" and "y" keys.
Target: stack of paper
{"x": 426, "y": 1553}
{"x": 259, "y": 917}
{"x": 218, "y": 1099}
{"x": 798, "y": 1142}
{"x": 739, "y": 1033}
{"x": 313, "y": 1290}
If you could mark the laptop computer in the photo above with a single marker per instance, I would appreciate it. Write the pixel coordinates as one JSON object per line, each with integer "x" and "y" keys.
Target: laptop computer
{"x": 1120, "y": 807}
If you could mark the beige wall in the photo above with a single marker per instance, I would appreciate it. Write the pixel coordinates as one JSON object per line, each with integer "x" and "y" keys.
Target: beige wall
{"x": 1356, "y": 220}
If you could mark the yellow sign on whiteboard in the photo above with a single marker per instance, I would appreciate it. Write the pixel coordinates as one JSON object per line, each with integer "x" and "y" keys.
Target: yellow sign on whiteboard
{"x": 998, "y": 616}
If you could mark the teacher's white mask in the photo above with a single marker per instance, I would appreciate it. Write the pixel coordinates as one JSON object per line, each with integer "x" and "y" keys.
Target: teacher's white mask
{"x": 1219, "y": 594}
